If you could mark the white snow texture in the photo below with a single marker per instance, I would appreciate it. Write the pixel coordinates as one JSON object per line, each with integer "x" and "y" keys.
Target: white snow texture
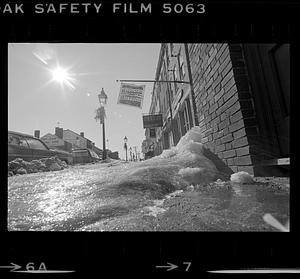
{"x": 189, "y": 151}
{"x": 241, "y": 177}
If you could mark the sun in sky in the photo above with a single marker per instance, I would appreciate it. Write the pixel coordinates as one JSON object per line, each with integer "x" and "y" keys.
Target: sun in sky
{"x": 63, "y": 77}
{"x": 59, "y": 74}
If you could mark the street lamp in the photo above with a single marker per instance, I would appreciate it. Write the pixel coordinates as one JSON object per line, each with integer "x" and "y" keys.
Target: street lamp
{"x": 102, "y": 100}
{"x": 125, "y": 146}
{"x": 135, "y": 153}
{"x": 130, "y": 152}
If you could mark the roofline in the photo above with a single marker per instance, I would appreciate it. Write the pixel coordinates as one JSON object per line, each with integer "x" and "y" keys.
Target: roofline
{"x": 49, "y": 134}
{"x": 82, "y": 137}
{"x": 21, "y": 134}
{"x": 77, "y": 134}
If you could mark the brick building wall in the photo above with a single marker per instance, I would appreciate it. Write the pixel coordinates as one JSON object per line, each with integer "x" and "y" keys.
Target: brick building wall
{"x": 224, "y": 103}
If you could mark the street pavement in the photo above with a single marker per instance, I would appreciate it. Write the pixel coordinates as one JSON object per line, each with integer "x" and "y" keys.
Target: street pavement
{"x": 114, "y": 196}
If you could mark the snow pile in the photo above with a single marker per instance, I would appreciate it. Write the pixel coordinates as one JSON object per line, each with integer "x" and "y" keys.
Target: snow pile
{"x": 19, "y": 166}
{"x": 219, "y": 182}
{"x": 196, "y": 169}
{"x": 175, "y": 169}
{"x": 189, "y": 143}
{"x": 241, "y": 177}
{"x": 168, "y": 153}
{"x": 193, "y": 135}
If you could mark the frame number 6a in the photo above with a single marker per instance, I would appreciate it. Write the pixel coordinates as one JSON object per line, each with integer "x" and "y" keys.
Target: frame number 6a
{"x": 30, "y": 267}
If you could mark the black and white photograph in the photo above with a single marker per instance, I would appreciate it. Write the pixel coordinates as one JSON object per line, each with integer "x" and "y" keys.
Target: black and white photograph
{"x": 148, "y": 138}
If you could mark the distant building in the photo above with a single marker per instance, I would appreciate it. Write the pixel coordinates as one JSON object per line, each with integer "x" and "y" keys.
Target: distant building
{"x": 77, "y": 140}
{"x": 172, "y": 99}
{"x": 67, "y": 140}
{"x": 53, "y": 141}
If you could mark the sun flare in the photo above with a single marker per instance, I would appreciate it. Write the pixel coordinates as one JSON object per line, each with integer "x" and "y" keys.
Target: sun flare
{"x": 59, "y": 74}
{"x": 63, "y": 77}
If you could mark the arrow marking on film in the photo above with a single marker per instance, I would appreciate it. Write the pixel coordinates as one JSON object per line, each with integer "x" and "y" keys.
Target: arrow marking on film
{"x": 169, "y": 266}
{"x": 14, "y": 266}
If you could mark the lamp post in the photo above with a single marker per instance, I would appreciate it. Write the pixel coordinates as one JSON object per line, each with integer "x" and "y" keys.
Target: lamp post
{"x": 125, "y": 146}
{"x": 135, "y": 153}
{"x": 102, "y": 100}
{"x": 130, "y": 152}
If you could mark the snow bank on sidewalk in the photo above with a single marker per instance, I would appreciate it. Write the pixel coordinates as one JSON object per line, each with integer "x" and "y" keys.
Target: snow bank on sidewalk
{"x": 241, "y": 177}
{"x": 189, "y": 143}
{"x": 19, "y": 166}
{"x": 197, "y": 168}
{"x": 175, "y": 169}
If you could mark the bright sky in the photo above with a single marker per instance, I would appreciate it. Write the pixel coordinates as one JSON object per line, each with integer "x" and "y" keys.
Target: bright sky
{"x": 37, "y": 102}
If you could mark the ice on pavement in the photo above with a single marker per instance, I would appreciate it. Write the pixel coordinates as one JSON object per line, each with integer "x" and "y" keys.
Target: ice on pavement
{"x": 241, "y": 177}
{"x": 173, "y": 194}
{"x": 154, "y": 210}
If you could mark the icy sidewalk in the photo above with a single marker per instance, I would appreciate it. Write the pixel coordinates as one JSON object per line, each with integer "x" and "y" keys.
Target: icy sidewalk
{"x": 217, "y": 206}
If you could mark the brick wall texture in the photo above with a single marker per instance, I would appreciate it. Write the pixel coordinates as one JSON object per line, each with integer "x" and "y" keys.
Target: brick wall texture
{"x": 224, "y": 103}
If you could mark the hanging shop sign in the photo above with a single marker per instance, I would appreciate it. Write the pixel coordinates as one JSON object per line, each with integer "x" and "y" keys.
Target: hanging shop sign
{"x": 131, "y": 95}
{"x": 152, "y": 120}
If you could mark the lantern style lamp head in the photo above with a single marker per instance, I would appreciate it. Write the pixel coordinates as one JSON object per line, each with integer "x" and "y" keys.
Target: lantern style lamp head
{"x": 125, "y": 139}
{"x": 102, "y": 98}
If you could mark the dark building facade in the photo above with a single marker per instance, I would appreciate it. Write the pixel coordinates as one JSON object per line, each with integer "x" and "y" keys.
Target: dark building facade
{"x": 172, "y": 98}
{"x": 238, "y": 94}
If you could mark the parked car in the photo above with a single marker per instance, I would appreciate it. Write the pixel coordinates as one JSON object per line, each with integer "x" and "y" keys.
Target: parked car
{"x": 84, "y": 155}
{"x": 30, "y": 148}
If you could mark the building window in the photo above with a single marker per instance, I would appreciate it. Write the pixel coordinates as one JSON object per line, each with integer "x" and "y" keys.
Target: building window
{"x": 175, "y": 78}
{"x": 188, "y": 115}
{"x": 187, "y": 125}
{"x": 171, "y": 139}
{"x": 166, "y": 144}
{"x": 186, "y": 119}
{"x": 152, "y": 133}
{"x": 164, "y": 70}
{"x": 171, "y": 48}
{"x": 170, "y": 94}
{"x": 182, "y": 124}
{"x": 181, "y": 66}
{"x": 167, "y": 57}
